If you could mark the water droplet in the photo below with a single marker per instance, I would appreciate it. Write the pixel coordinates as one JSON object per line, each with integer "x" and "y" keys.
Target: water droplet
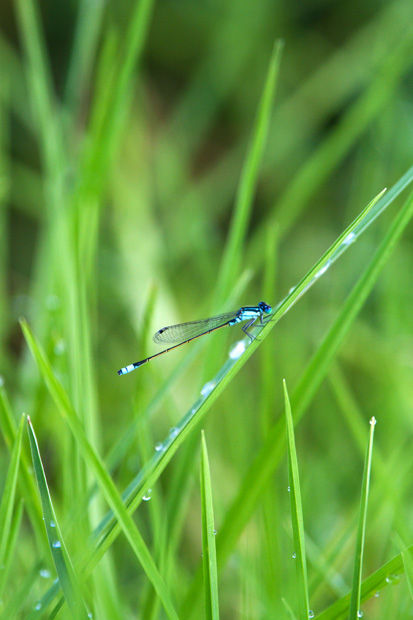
{"x": 38, "y": 606}
{"x": 52, "y": 523}
{"x": 159, "y": 447}
{"x": 237, "y": 350}
{"x": 310, "y": 613}
{"x": 45, "y": 573}
{"x": 52, "y": 302}
{"x": 323, "y": 269}
{"x": 208, "y": 387}
{"x": 294, "y": 555}
{"x": 173, "y": 432}
{"x": 90, "y": 615}
{"x": 373, "y": 421}
{"x": 1, "y": 380}
{"x": 393, "y": 579}
{"x": 214, "y": 532}
{"x": 57, "y": 544}
{"x": 292, "y": 289}
{"x": 377, "y": 594}
{"x": 359, "y": 614}
{"x": 147, "y": 495}
{"x": 288, "y": 489}
{"x": 349, "y": 239}
{"x": 60, "y": 347}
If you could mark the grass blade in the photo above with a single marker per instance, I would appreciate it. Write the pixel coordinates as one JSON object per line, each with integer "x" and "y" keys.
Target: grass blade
{"x": 354, "y": 612}
{"x": 270, "y": 455}
{"x": 209, "y": 558}
{"x": 296, "y": 513}
{"x": 61, "y": 559}
{"x": 94, "y": 462}
{"x": 7, "y": 503}
{"x": 248, "y": 181}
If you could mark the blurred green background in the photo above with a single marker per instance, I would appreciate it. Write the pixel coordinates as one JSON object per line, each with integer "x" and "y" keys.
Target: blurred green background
{"x": 124, "y": 130}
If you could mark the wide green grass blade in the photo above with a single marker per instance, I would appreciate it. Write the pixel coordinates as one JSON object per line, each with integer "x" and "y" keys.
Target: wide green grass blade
{"x": 389, "y": 574}
{"x": 296, "y": 513}
{"x": 269, "y": 457}
{"x": 407, "y": 556}
{"x": 94, "y": 463}
{"x": 13, "y": 540}
{"x": 64, "y": 568}
{"x": 7, "y": 500}
{"x": 14, "y": 608}
{"x": 248, "y": 181}
{"x": 209, "y": 558}
{"x": 354, "y": 611}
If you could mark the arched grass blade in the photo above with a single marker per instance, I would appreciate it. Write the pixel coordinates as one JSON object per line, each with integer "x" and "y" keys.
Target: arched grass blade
{"x": 6, "y": 506}
{"x": 248, "y": 181}
{"x": 354, "y": 612}
{"x": 61, "y": 559}
{"x": 94, "y": 462}
{"x": 296, "y": 513}
{"x": 209, "y": 557}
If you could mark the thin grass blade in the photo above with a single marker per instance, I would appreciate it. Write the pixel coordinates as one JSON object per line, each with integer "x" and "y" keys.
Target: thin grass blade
{"x": 271, "y": 453}
{"x": 248, "y": 181}
{"x": 296, "y": 513}
{"x": 95, "y": 463}
{"x": 354, "y": 612}
{"x": 209, "y": 558}
{"x": 64, "y": 568}
{"x": 7, "y": 501}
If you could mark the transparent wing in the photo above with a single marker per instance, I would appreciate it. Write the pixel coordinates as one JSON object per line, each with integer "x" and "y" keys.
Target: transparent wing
{"x": 185, "y": 331}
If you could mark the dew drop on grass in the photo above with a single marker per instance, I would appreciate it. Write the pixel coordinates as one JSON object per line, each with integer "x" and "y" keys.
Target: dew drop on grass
{"x": 349, "y": 239}
{"x": 377, "y": 594}
{"x": 294, "y": 555}
{"x": 52, "y": 302}
{"x": 173, "y": 432}
{"x": 52, "y": 523}
{"x": 208, "y": 387}
{"x": 392, "y": 579}
{"x": 237, "y": 350}
{"x": 57, "y": 544}
{"x": 214, "y": 532}
{"x": 323, "y": 269}
{"x": 359, "y": 614}
{"x": 38, "y": 606}
{"x": 159, "y": 447}
{"x": 1, "y": 380}
{"x": 147, "y": 495}
{"x": 373, "y": 421}
{"x": 45, "y": 573}
{"x": 288, "y": 489}
{"x": 310, "y": 613}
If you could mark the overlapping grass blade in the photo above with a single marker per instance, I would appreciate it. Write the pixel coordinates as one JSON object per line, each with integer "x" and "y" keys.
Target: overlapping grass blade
{"x": 296, "y": 513}
{"x": 9, "y": 491}
{"x": 94, "y": 463}
{"x": 63, "y": 564}
{"x": 388, "y": 574}
{"x": 28, "y": 486}
{"x": 6, "y": 507}
{"x": 248, "y": 181}
{"x": 354, "y": 611}
{"x": 18, "y": 601}
{"x": 209, "y": 558}
{"x": 271, "y": 453}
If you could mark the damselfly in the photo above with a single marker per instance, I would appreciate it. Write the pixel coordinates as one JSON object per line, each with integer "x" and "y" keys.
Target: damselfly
{"x": 185, "y": 332}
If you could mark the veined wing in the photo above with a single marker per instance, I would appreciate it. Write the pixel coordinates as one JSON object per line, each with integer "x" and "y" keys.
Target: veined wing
{"x": 186, "y": 331}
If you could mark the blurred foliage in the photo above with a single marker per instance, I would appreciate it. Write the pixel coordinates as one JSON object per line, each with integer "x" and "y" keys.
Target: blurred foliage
{"x": 125, "y": 129}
